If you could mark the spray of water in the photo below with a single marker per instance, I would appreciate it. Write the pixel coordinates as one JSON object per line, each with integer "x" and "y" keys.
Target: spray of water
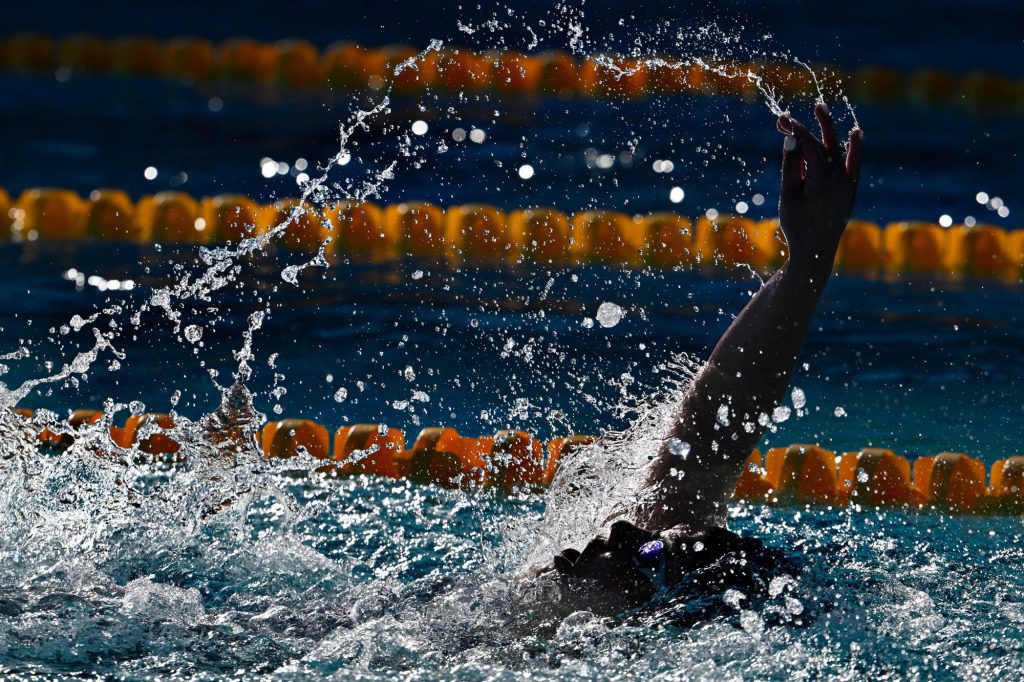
{"x": 226, "y": 550}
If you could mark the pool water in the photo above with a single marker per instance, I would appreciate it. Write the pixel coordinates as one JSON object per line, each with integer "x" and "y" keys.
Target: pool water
{"x": 370, "y": 579}
{"x": 112, "y": 566}
{"x": 917, "y": 366}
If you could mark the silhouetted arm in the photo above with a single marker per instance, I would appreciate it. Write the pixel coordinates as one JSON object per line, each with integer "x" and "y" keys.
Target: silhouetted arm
{"x": 730, "y": 402}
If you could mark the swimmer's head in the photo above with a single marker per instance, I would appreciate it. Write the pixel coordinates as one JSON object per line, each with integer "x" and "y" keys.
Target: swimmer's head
{"x": 626, "y": 568}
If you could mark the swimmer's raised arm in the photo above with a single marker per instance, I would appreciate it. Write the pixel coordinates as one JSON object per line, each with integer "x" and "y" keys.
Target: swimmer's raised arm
{"x": 725, "y": 411}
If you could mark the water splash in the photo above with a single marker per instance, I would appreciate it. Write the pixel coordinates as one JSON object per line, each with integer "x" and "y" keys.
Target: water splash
{"x": 218, "y": 559}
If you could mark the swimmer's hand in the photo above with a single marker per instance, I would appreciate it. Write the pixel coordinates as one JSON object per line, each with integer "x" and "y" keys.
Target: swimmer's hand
{"x": 819, "y": 183}
{"x": 604, "y": 577}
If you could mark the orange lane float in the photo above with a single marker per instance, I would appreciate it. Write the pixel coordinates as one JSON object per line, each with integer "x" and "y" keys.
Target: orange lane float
{"x": 611, "y": 76}
{"x": 303, "y": 227}
{"x": 738, "y": 240}
{"x": 672, "y": 76}
{"x": 361, "y": 232}
{"x": 137, "y": 56}
{"x": 299, "y": 64}
{"x": 460, "y": 69}
{"x": 249, "y": 60}
{"x": 802, "y": 474}
{"x": 753, "y": 485}
{"x": 413, "y": 72}
{"x": 986, "y": 91}
{"x": 440, "y": 455}
{"x": 981, "y": 250}
{"x": 110, "y": 216}
{"x": 517, "y": 460}
{"x": 478, "y": 234}
{"x": 861, "y": 247}
{"x": 173, "y": 217}
{"x": 155, "y": 443}
{"x": 560, "y": 73}
{"x": 231, "y": 217}
{"x": 914, "y": 246}
{"x": 78, "y": 419}
{"x": 371, "y": 449}
{"x": 930, "y": 87}
{"x": 877, "y": 83}
{"x": 607, "y": 237}
{"x": 418, "y": 227}
{"x": 190, "y": 58}
{"x": 515, "y": 72}
{"x": 288, "y": 437}
{"x": 47, "y": 213}
{"x": 543, "y": 234}
{"x": 30, "y": 52}
{"x": 671, "y": 240}
{"x": 876, "y": 477}
{"x": 6, "y": 219}
{"x": 346, "y": 65}
{"x": 85, "y": 54}
{"x": 1007, "y": 484}
{"x": 950, "y": 479}
{"x": 732, "y": 79}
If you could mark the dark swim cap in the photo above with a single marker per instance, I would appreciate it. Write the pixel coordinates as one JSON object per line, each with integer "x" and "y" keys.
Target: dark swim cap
{"x": 631, "y": 565}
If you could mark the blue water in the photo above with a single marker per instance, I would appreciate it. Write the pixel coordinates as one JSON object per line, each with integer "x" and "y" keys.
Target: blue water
{"x": 112, "y": 567}
{"x": 916, "y": 366}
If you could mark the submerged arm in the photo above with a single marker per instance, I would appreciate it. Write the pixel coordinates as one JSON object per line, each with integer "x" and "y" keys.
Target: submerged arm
{"x": 728, "y": 406}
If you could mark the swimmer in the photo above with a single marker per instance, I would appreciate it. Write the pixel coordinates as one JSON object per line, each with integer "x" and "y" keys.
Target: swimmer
{"x": 680, "y": 528}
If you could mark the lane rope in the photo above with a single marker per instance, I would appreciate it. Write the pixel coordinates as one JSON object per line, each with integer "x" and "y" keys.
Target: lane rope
{"x": 484, "y": 235}
{"x": 516, "y": 461}
{"x": 347, "y": 65}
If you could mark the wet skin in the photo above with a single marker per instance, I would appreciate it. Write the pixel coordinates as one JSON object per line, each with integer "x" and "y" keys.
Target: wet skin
{"x": 747, "y": 373}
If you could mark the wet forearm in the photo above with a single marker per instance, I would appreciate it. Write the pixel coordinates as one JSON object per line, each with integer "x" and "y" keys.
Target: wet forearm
{"x": 728, "y": 406}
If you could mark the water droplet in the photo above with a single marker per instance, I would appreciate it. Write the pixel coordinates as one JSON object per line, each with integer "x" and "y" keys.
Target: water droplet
{"x": 799, "y": 398}
{"x": 779, "y": 584}
{"x": 839, "y": 412}
{"x": 193, "y": 333}
{"x": 677, "y": 447}
{"x": 291, "y": 274}
{"x": 781, "y": 414}
{"x": 751, "y": 623}
{"x": 732, "y": 597}
{"x": 609, "y": 314}
{"x": 160, "y": 298}
{"x": 340, "y": 395}
{"x": 723, "y": 415}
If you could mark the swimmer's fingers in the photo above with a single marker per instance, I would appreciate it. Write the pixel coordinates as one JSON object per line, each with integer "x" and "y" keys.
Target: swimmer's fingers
{"x": 853, "y": 155}
{"x": 829, "y": 132}
{"x": 792, "y": 167}
{"x": 812, "y": 148}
